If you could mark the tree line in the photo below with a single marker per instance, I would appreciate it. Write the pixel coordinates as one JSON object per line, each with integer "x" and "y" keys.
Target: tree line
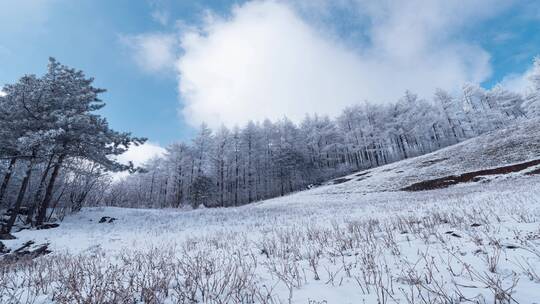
{"x": 54, "y": 147}
{"x": 231, "y": 167}
{"x": 56, "y": 150}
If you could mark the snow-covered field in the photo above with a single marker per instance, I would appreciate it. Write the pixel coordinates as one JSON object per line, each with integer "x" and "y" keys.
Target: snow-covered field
{"x": 476, "y": 242}
{"x": 360, "y": 240}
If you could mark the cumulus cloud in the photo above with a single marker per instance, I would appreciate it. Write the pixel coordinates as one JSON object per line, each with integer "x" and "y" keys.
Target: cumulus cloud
{"x": 265, "y": 61}
{"x": 153, "y": 52}
{"x": 138, "y": 155}
{"x": 161, "y": 16}
{"x": 160, "y": 11}
{"x": 141, "y": 154}
{"x": 517, "y": 82}
{"x": 521, "y": 83}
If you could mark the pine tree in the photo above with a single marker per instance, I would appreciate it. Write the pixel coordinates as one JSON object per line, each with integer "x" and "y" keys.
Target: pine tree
{"x": 55, "y": 119}
{"x": 26, "y": 134}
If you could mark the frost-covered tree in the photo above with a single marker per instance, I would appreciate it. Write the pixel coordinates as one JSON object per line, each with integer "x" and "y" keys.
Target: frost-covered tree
{"x": 508, "y": 104}
{"x": 532, "y": 103}
{"x": 249, "y": 146}
{"x": 268, "y": 159}
{"x": 178, "y": 160}
{"x": 452, "y": 117}
{"x": 48, "y": 123}
{"x": 201, "y": 147}
{"x": 202, "y": 192}
{"x": 221, "y": 159}
{"x": 82, "y": 133}
{"x": 27, "y": 135}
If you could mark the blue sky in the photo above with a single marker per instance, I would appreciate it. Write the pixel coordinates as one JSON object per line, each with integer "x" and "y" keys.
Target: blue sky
{"x": 170, "y": 64}
{"x": 87, "y": 35}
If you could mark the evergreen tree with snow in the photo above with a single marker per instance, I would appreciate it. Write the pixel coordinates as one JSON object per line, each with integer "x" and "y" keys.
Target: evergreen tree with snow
{"x": 51, "y": 120}
{"x": 82, "y": 133}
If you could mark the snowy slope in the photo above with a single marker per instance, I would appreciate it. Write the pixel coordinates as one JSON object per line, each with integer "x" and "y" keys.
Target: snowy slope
{"x": 516, "y": 144}
{"x": 361, "y": 241}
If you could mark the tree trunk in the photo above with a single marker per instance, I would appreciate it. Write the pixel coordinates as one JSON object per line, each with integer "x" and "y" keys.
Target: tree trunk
{"x": 402, "y": 146}
{"x": 250, "y": 182}
{"x": 37, "y": 196}
{"x": 152, "y": 187}
{"x": 222, "y": 182}
{"x": 6, "y": 228}
{"x": 236, "y": 178}
{"x": 7, "y": 177}
{"x": 49, "y": 191}
{"x": 180, "y": 187}
{"x": 56, "y": 204}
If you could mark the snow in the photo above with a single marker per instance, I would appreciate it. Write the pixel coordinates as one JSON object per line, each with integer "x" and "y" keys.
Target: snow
{"x": 514, "y": 144}
{"x": 508, "y": 211}
{"x": 367, "y": 241}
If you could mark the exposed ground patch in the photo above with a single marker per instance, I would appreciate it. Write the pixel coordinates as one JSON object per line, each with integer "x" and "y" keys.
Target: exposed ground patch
{"x": 340, "y": 181}
{"x": 444, "y": 182}
{"x": 362, "y": 173}
{"x": 428, "y": 163}
{"x": 533, "y": 172}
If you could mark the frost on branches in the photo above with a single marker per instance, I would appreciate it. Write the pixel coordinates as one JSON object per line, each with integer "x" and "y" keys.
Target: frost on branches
{"x": 54, "y": 146}
{"x": 272, "y": 158}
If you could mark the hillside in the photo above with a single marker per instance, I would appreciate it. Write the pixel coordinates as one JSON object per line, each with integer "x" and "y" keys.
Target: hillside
{"x": 357, "y": 239}
{"x": 515, "y": 144}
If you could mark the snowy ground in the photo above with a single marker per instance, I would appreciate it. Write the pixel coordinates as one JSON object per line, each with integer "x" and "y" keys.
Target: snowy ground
{"x": 360, "y": 241}
{"x": 476, "y": 242}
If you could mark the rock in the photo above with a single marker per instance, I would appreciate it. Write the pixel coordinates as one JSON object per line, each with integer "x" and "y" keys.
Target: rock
{"x": 24, "y": 246}
{"x": 47, "y": 226}
{"x": 7, "y": 236}
{"x": 22, "y": 211}
{"x": 107, "y": 219}
{"x": 475, "y": 225}
{"x": 452, "y": 233}
{"x": 340, "y": 180}
{"x": 479, "y": 251}
{"x": 3, "y": 248}
{"x": 26, "y": 251}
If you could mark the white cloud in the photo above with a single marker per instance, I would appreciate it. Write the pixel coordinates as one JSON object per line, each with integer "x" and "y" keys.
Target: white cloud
{"x": 517, "y": 82}
{"x": 2, "y": 93}
{"x": 521, "y": 83}
{"x": 154, "y": 52}
{"x": 142, "y": 153}
{"x": 138, "y": 155}
{"x": 160, "y": 11}
{"x": 264, "y": 61}
{"x": 161, "y": 16}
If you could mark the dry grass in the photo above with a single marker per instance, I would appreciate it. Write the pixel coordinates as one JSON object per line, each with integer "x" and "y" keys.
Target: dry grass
{"x": 401, "y": 259}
